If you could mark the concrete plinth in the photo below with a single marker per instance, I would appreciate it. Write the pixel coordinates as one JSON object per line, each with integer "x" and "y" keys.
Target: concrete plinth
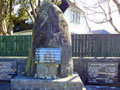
{"x": 69, "y": 83}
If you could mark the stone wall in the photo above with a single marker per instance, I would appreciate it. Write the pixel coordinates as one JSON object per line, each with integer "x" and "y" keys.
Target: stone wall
{"x": 20, "y": 63}
{"x": 80, "y": 65}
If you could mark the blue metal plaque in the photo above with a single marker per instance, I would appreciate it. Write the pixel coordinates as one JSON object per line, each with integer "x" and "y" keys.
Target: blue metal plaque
{"x": 48, "y": 55}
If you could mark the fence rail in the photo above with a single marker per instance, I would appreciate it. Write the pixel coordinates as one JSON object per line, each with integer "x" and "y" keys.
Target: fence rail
{"x": 99, "y": 45}
{"x": 15, "y": 45}
{"x": 85, "y": 45}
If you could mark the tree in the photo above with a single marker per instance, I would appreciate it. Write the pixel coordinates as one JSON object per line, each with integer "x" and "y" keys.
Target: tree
{"x": 117, "y": 3}
{"x": 3, "y": 27}
{"x": 35, "y": 9}
{"x": 6, "y": 11}
{"x": 7, "y": 16}
{"x": 9, "y": 31}
{"x": 101, "y": 11}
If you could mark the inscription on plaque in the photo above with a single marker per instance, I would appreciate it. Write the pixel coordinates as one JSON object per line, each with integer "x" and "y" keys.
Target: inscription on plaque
{"x": 48, "y": 55}
{"x": 102, "y": 72}
{"x": 7, "y": 70}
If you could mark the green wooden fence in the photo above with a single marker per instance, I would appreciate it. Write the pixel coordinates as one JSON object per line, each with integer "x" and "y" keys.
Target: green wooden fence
{"x": 99, "y": 45}
{"x": 15, "y": 45}
{"x": 85, "y": 45}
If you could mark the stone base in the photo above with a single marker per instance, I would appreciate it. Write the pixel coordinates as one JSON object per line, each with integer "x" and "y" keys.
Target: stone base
{"x": 69, "y": 83}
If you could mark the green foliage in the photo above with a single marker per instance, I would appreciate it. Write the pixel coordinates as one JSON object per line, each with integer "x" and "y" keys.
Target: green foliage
{"x": 22, "y": 14}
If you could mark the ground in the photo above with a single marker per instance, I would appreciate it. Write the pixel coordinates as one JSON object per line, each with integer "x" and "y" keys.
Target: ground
{"x": 6, "y": 86}
{"x": 91, "y": 87}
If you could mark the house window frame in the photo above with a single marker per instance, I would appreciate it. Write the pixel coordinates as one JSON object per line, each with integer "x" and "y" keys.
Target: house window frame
{"x": 75, "y": 16}
{"x": 78, "y": 18}
{"x": 71, "y": 16}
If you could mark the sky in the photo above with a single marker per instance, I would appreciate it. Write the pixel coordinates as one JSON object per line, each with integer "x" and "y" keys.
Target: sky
{"x": 16, "y": 8}
{"x": 105, "y": 26}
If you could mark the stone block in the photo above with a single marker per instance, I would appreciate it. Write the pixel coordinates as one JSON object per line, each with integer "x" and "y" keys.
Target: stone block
{"x": 69, "y": 83}
{"x": 7, "y": 70}
{"x": 16, "y": 65}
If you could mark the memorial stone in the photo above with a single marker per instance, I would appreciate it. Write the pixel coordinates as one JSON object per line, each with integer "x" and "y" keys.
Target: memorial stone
{"x": 51, "y": 46}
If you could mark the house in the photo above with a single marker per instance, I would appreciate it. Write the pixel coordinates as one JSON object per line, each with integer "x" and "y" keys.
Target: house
{"x": 100, "y": 32}
{"x": 75, "y": 18}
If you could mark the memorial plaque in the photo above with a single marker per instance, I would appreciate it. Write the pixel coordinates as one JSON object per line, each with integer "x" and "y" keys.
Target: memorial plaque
{"x": 7, "y": 70}
{"x": 102, "y": 72}
{"x": 48, "y": 55}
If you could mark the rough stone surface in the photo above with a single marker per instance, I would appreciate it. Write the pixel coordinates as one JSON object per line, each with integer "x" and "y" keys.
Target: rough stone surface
{"x": 51, "y": 31}
{"x": 12, "y": 66}
{"x": 81, "y": 67}
{"x": 7, "y": 70}
{"x": 49, "y": 71}
{"x": 68, "y": 83}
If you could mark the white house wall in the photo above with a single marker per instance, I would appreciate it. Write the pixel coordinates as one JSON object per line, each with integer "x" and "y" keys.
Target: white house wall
{"x": 81, "y": 28}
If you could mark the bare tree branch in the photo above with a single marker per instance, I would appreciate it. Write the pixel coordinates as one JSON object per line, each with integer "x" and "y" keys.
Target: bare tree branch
{"x": 91, "y": 10}
{"x": 105, "y": 14}
{"x": 97, "y": 22}
{"x": 103, "y": 8}
{"x": 24, "y": 5}
{"x": 117, "y": 4}
{"x": 33, "y": 9}
{"x": 111, "y": 20}
{"x": 30, "y": 16}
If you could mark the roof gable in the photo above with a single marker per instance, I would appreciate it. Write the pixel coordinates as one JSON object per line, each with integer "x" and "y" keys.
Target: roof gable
{"x": 74, "y": 6}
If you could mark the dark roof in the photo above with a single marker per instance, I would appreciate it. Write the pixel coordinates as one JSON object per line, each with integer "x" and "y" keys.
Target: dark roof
{"x": 66, "y": 4}
{"x": 100, "y": 32}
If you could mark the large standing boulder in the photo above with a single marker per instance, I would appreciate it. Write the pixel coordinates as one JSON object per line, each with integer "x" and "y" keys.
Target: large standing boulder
{"x": 51, "y": 31}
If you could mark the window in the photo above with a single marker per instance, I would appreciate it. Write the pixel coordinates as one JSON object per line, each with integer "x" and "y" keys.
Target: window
{"x": 72, "y": 16}
{"x": 78, "y": 17}
{"x": 75, "y": 17}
